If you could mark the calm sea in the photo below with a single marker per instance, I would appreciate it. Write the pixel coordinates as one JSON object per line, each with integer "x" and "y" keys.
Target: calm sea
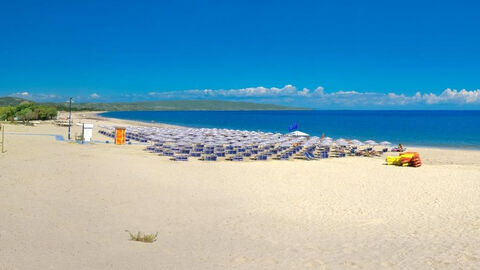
{"x": 420, "y": 128}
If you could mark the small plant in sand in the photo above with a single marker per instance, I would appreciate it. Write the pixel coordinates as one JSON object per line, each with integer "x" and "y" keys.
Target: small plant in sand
{"x": 141, "y": 237}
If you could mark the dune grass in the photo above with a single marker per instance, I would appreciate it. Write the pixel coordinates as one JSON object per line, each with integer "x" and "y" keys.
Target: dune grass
{"x": 142, "y": 237}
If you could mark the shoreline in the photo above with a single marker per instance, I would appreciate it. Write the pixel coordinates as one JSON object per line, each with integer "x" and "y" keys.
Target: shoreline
{"x": 155, "y": 124}
{"x": 429, "y": 155}
{"x": 95, "y": 115}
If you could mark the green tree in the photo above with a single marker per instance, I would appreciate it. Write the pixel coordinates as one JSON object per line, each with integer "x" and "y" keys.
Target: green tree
{"x": 24, "y": 114}
{"x": 51, "y": 112}
{"x": 27, "y": 111}
{"x": 7, "y": 113}
{"x": 31, "y": 115}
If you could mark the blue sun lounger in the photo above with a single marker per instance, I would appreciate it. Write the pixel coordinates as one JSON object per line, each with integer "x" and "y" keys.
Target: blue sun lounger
{"x": 237, "y": 158}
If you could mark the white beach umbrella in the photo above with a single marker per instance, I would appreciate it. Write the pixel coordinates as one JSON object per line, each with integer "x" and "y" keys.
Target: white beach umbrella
{"x": 385, "y": 143}
{"x": 326, "y": 143}
{"x": 298, "y": 134}
{"x": 356, "y": 142}
{"x": 370, "y": 142}
{"x": 341, "y": 142}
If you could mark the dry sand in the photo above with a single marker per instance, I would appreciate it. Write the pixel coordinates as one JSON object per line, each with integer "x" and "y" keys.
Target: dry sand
{"x": 67, "y": 206}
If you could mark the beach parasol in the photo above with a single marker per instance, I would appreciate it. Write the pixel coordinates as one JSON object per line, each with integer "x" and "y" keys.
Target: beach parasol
{"x": 370, "y": 142}
{"x": 356, "y": 142}
{"x": 341, "y": 142}
{"x": 298, "y": 134}
{"x": 326, "y": 143}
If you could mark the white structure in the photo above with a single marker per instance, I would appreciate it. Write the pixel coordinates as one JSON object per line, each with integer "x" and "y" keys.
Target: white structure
{"x": 298, "y": 134}
{"x": 87, "y": 131}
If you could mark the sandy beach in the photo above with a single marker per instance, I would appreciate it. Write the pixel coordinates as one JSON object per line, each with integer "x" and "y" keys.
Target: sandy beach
{"x": 67, "y": 206}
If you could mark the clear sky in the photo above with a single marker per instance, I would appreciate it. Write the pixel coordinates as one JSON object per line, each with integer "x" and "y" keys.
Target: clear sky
{"x": 321, "y": 54}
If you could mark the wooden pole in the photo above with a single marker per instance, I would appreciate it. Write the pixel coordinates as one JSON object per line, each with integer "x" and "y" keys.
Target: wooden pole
{"x": 3, "y": 137}
{"x": 69, "y": 119}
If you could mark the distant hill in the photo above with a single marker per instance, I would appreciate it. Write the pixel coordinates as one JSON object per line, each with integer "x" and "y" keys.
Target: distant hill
{"x": 178, "y": 105}
{"x": 160, "y": 105}
{"x": 12, "y": 101}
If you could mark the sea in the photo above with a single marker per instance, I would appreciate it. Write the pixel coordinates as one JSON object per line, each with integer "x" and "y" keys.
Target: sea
{"x": 449, "y": 129}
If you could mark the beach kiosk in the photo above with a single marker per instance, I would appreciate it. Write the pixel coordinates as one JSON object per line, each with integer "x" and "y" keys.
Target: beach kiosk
{"x": 87, "y": 131}
{"x": 119, "y": 135}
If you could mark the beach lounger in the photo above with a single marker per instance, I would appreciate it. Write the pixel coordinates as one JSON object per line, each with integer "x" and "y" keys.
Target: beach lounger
{"x": 180, "y": 158}
{"x": 168, "y": 153}
{"x": 307, "y": 156}
{"x": 310, "y": 155}
{"x": 260, "y": 157}
{"x": 323, "y": 154}
{"x": 208, "y": 158}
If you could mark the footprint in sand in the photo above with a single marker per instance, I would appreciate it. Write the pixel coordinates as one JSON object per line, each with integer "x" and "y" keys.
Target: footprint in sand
{"x": 240, "y": 260}
{"x": 376, "y": 221}
{"x": 315, "y": 264}
{"x": 271, "y": 261}
{"x": 470, "y": 258}
{"x": 353, "y": 265}
{"x": 386, "y": 264}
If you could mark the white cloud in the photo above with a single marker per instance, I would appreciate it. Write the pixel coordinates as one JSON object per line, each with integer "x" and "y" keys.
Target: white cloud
{"x": 319, "y": 97}
{"x": 40, "y": 97}
{"x": 260, "y": 91}
{"x": 34, "y": 96}
{"x": 319, "y": 91}
{"x": 291, "y": 95}
{"x": 453, "y": 96}
{"x": 305, "y": 92}
{"x": 21, "y": 94}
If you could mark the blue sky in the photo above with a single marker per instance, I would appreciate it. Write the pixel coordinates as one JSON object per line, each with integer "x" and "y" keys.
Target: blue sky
{"x": 320, "y": 54}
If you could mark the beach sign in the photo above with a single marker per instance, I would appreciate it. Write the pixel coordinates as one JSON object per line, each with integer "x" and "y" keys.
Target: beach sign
{"x": 87, "y": 131}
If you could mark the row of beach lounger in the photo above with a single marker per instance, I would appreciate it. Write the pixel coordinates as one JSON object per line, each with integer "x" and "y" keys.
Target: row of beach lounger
{"x": 211, "y": 145}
